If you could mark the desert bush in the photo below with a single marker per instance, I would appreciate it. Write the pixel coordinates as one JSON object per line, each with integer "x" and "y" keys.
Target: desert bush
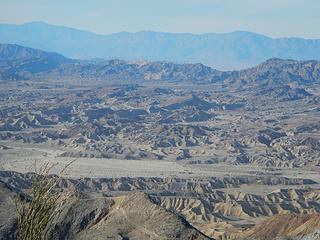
{"x": 36, "y": 215}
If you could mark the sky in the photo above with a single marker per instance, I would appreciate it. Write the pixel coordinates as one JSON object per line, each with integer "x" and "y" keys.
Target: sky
{"x": 275, "y": 18}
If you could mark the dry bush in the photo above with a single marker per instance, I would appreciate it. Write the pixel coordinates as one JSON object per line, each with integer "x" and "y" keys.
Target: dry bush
{"x": 35, "y": 216}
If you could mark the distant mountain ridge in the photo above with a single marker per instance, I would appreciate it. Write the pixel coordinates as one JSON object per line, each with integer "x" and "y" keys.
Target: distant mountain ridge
{"x": 222, "y": 51}
{"x": 22, "y": 63}
{"x": 16, "y": 52}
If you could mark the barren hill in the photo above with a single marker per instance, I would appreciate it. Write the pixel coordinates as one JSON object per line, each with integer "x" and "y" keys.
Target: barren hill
{"x": 134, "y": 216}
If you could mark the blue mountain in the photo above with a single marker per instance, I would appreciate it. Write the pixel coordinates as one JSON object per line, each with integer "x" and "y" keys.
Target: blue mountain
{"x": 226, "y": 51}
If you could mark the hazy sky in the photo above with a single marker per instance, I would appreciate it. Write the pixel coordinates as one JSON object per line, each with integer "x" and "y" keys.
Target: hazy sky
{"x": 271, "y": 17}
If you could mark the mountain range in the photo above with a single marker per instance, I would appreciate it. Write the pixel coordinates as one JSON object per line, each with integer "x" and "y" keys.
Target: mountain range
{"x": 170, "y": 149}
{"x": 23, "y": 63}
{"x": 225, "y": 51}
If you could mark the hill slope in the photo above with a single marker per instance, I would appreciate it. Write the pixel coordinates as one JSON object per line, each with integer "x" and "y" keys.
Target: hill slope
{"x": 22, "y": 63}
{"x": 134, "y": 216}
{"x": 287, "y": 226}
{"x": 17, "y": 62}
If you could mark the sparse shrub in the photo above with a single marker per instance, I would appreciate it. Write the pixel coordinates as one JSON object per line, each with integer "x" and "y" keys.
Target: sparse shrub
{"x": 36, "y": 215}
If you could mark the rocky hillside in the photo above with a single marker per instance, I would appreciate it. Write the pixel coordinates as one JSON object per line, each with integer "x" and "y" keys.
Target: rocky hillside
{"x": 174, "y": 208}
{"x": 20, "y": 63}
{"x": 134, "y": 216}
{"x": 287, "y": 226}
{"x": 278, "y": 71}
